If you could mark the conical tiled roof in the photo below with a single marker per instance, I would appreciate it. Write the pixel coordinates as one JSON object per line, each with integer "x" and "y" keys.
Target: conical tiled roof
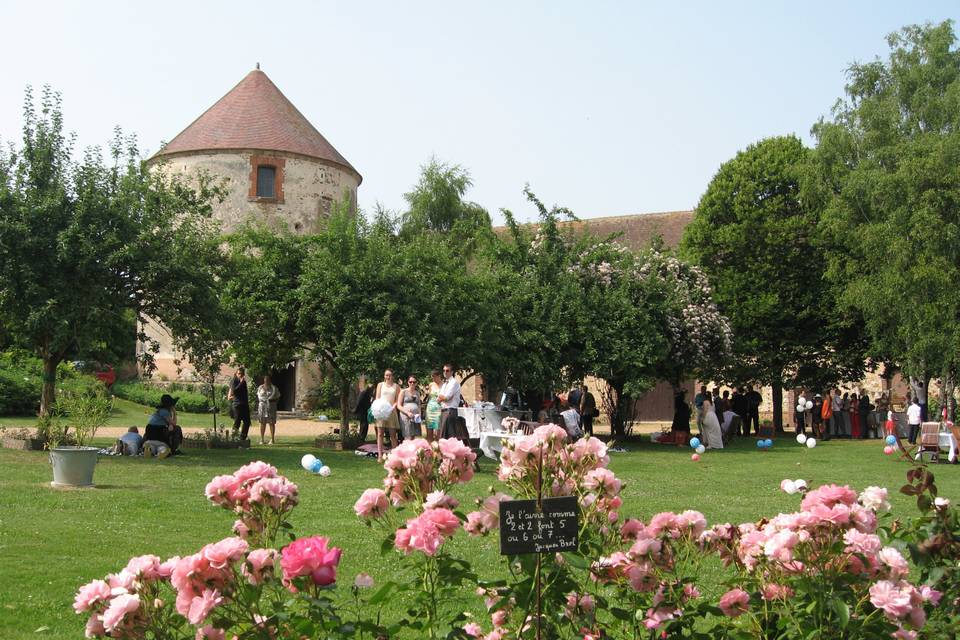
{"x": 255, "y": 115}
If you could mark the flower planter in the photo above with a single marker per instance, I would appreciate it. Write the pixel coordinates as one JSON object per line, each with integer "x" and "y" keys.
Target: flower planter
{"x": 193, "y": 443}
{"x": 334, "y": 445}
{"x": 24, "y": 444}
{"x": 73, "y": 466}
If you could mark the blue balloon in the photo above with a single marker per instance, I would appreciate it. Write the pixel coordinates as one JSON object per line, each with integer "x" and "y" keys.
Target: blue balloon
{"x": 761, "y": 444}
{"x": 694, "y": 443}
{"x": 768, "y": 443}
{"x": 891, "y": 440}
{"x": 315, "y": 467}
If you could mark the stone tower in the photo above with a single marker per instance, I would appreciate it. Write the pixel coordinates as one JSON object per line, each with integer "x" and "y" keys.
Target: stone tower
{"x": 279, "y": 170}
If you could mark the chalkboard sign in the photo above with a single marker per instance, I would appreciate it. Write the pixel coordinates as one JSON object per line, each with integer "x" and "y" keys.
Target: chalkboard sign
{"x": 523, "y": 529}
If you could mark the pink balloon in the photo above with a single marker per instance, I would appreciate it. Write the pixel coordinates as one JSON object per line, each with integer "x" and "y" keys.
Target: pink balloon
{"x": 888, "y": 450}
{"x": 695, "y": 457}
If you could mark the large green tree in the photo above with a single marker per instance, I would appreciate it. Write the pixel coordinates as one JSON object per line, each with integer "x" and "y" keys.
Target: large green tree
{"x": 887, "y": 168}
{"x": 754, "y": 238}
{"x": 83, "y": 242}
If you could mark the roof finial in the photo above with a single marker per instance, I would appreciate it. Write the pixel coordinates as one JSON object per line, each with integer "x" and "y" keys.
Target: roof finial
{"x": 258, "y": 66}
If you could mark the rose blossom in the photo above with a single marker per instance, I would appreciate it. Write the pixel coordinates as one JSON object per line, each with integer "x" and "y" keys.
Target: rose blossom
{"x": 259, "y": 565}
{"x": 439, "y": 499}
{"x": 886, "y": 596}
{"x": 120, "y": 607}
{"x": 90, "y": 594}
{"x": 363, "y": 581}
{"x": 310, "y": 557}
{"x": 875, "y": 499}
{"x": 372, "y": 504}
{"x": 209, "y": 632}
{"x": 895, "y": 561}
{"x": 202, "y": 605}
{"x": 472, "y": 629}
{"x": 734, "y": 602}
{"x": 221, "y": 554}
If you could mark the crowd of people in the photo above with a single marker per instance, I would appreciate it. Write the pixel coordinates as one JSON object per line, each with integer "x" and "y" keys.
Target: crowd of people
{"x": 721, "y": 415}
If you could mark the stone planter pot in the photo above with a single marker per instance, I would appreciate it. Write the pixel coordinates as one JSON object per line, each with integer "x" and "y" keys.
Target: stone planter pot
{"x": 335, "y": 445}
{"x": 73, "y": 466}
{"x": 28, "y": 444}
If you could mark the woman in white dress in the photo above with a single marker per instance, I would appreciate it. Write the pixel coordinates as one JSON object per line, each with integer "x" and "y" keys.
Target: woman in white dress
{"x": 712, "y": 434}
{"x": 388, "y": 390}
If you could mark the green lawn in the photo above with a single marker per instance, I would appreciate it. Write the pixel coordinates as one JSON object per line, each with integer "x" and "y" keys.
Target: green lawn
{"x": 51, "y": 541}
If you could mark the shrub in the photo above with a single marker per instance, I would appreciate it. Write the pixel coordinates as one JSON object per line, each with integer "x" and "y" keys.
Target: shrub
{"x": 190, "y": 401}
{"x": 21, "y": 381}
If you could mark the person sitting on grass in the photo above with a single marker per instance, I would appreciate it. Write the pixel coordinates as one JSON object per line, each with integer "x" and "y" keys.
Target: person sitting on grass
{"x": 162, "y": 425}
{"x": 129, "y": 443}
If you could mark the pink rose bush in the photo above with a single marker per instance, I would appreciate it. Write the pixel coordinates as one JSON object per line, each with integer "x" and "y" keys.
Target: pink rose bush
{"x": 195, "y": 595}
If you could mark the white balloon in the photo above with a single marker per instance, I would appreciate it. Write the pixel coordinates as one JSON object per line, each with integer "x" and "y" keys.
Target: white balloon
{"x": 700, "y": 449}
{"x": 307, "y": 461}
{"x": 811, "y": 443}
{"x": 322, "y": 417}
{"x": 789, "y": 486}
{"x": 801, "y": 400}
{"x": 381, "y": 409}
{"x": 801, "y": 438}
{"x": 809, "y": 405}
{"x": 325, "y": 471}
{"x": 800, "y": 484}
{"x": 800, "y": 408}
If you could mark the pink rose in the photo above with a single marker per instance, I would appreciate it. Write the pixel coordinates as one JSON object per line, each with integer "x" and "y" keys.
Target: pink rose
{"x": 895, "y": 561}
{"x": 631, "y": 528}
{"x": 275, "y": 493}
{"x": 372, "y": 504}
{"x": 443, "y": 519}
{"x": 310, "y": 557}
{"x": 438, "y": 500}
{"x": 829, "y": 495}
{"x": 885, "y": 595}
{"x": 202, "y": 605}
{"x": 472, "y": 629}
{"x": 734, "y": 602}
{"x": 602, "y": 480}
{"x": 94, "y": 627}
{"x": 90, "y": 594}
{"x": 930, "y": 595}
{"x": 875, "y": 499}
{"x": 147, "y": 567}
{"x": 210, "y": 632}
{"x": 221, "y": 489}
{"x": 255, "y": 470}
{"x": 120, "y": 607}
{"x": 222, "y": 554}
{"x": 363, "y": 581}
{"x": 259, "y": 565}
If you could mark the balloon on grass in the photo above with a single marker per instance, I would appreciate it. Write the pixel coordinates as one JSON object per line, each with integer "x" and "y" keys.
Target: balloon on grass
{"x": 325, "y": 471}
{"x": 801, "y": 438}
{"x": 316, "y": 466}
{"x": 760, "y": 444}
{"x": 307, "y": 461}
{"x": 888, "y": 450}
{"x": 695, "y": 457}
{"x": 811, "y": 443}
{"x": 700, "y": 449}
{"x": 891, "y": 440}
{"x": 768, "y": 443}
{"x": 694, "y": 443}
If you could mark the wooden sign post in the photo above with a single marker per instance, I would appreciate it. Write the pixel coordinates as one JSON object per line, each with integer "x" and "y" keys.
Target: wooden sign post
{"x": 544, "y": 525}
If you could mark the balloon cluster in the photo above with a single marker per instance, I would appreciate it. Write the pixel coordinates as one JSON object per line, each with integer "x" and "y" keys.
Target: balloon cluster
{"x": 381, "y": 409}
{"x": 891, "y": 441}
{"x": 765, "y": 444}
{"x": 313, "y": 464}
{"x": 697, "y": 447}
{"x": 803, "y": 404}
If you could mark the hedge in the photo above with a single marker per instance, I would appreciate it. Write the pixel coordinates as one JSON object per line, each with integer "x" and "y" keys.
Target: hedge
{"x": 21, "y": 380}
{"x": 149, "y": 395}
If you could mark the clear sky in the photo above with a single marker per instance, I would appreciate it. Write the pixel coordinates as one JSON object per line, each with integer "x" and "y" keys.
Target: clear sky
{"x": 608, "y": 108}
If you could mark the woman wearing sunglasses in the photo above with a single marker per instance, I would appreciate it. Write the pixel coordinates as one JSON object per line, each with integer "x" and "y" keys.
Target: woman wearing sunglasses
{"x": 408, "y": 404}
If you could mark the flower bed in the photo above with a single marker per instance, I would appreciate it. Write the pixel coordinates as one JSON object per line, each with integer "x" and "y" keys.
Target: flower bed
{"x": 837, "y": 567}
{"x": 24, "y": 444}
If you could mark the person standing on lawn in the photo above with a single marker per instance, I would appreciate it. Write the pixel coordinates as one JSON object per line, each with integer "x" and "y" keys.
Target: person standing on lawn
{"x": 433, "y": 406}
{"x": 855, "y": 425}
{"x": 826, "y": 414}
{"x": 698, "y": 404}
{"x": 449, "y": 399}
{"x": 816, "y": 417}
{"x": 588, "y": 410}
{"x": 754, "y": 400}
{"x": 238, "y": 395}
{"x": 388, "y": 390}
{"x": 408, "y": 404}
{"x": 267, "y": 397}
{"x": 362, "y": 406}
{"x": 914, "y": 418}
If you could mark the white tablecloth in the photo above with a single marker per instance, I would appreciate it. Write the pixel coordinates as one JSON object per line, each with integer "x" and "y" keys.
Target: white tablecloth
{"x": 481, "y": 420}
{"x": 947, "y": 441}
{"x": 491, "y": 442}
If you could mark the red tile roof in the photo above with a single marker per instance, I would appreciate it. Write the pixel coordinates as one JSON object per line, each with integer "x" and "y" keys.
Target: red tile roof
{"x": 637, "y": 230}
{"x": 255, "y": 115}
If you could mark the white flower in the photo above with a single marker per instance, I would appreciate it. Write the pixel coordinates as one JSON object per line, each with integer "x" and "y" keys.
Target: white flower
{"x": 875, "y": 499}
{"x": 941, "y": 503}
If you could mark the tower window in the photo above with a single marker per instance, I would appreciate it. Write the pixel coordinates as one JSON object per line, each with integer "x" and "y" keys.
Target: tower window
{"x": 266, "y": 181}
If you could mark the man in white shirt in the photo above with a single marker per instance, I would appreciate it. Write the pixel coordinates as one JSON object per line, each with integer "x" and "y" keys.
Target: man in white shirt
{"x": 914, "y": 418}
{"x": 449, "y": 398}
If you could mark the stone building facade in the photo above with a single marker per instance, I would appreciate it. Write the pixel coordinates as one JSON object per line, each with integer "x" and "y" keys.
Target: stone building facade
{"x": 278, "y": 170}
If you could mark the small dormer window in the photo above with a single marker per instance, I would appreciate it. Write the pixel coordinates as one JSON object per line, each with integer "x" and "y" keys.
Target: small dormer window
{"x": 266, "y": 179}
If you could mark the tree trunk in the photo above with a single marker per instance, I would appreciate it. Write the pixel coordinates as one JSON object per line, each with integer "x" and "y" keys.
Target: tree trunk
{"x": 48, "y": 394}
{"x": 946, "y": 393}
{"x": 614, "y": 405}
{"x": 344, "y": 409}
{"x": 777, "y": 389}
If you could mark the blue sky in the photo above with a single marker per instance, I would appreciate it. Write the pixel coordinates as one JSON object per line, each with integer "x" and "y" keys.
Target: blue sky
{"x": 607, "y": 108}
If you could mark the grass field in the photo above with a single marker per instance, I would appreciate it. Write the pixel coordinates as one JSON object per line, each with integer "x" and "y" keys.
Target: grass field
{"x": 125, "y": 414}
{"x": 52, "y": 541}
